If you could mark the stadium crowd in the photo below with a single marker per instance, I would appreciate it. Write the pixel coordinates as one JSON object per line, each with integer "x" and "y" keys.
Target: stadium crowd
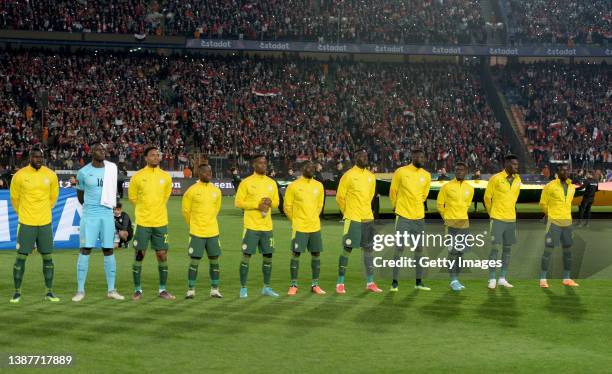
{"x": 404, "y": 21}
{"x": 387, "y": 21}
{"x": 560, "y": 21}
{"x": 235, "y": 107}
{"x": 108, "y": 16}
{"x": 567, "y": 110}
{"x": 90, "y": 96}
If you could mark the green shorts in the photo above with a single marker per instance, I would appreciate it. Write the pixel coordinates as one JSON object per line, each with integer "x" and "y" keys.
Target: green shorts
{"x": 503, "y": 232}
{"x": 411, "y": 226}
{"x": 28, "y": 236}
{"x": 458, "y": 234}
{"x": 198, "y": 245}
{"x": 558, "y": 235}
{"x": 252, "y": 239}
{"x": 300, "y": 241}
{"x": 158, "y": 236}
{"x": 358, "y": 234}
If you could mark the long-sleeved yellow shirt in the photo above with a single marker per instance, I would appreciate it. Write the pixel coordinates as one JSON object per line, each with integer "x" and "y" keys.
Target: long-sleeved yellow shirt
{"x": 33, "y": 195}
{"x": 454, "y": 200}
{"x": 500, "y": 197}
{"x": 200, "y": 205}
{"x": 149, "y": 191}
{"x": 409, "y": 189}
{"x": 557, "y": 203}
{"x": 250, "y": 193}
{"x": 355, "y": 193}
{"x": 303, "y": 203}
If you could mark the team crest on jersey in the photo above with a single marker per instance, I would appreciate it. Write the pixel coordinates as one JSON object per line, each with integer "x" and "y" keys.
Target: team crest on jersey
{"x": 46, "y": 180}
{"x": 269, "y": 188}
{"x": 369, "y": 179}
{"x": 213, "y": 195}
{"x": 422, "y": 180}
{"x": 161, "y": 181}
{"x": 467, "y": 193}
{"x": 315, "y": 191}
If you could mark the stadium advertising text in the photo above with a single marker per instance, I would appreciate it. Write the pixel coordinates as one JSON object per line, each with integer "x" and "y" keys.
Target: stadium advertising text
{"x": 407, "y": 49}
{"x": 331, "y": 48}
{"x": 274, "y": 46}
{"x": 503, "y": 51}
{"x": 216, "y": 44}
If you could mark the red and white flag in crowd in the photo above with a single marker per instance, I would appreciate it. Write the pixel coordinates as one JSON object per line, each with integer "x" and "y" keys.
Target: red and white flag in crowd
{"x": 556, "y": 125}
{"x": 267, "y": 93}
{"x": 597, "y": 135}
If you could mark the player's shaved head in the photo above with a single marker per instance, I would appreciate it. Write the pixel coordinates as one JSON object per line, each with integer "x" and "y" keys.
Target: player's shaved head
{"x": 205, "y": 173}
{"x": 308, "y": 169}
{"x": 98, "y": 152}
{"x": 36, "y": 158}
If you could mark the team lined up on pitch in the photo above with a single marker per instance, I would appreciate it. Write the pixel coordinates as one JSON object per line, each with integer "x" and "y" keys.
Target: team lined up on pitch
{"x": 35, "y": 190}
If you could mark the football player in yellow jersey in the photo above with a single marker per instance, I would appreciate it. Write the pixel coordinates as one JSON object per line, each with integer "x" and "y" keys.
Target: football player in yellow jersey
{"x": 303, "y": 204}
{"x": 454, "y": 200}
{"x": 408, "y": 193}
{"x": 354, "y": 197}
{"x": 556, "y": 202}
{"x": 500, "y": 198}
{"x": 149, "y": 191}
{"x": 34, "y": 192}
{"x": 200, "y": 207}
{"x": 257, "y": 195}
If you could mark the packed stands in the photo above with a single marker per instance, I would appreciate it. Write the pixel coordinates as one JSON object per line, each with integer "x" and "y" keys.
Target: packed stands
{"x": 387, "y": 21}
{"x": 567, "y": 109}
{"x": 234, "y": 107}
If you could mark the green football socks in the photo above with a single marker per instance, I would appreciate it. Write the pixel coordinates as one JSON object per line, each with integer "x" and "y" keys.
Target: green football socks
{"x": 266, "y": 268}
{"x": 213, "y": 271}
{"x": 244, "y": 270}
{"x": 342, "y": 264}
{"x": 48, "y": 269}
{"x": 294, "y": 267}
{"x": 192, "y": 273}
{"x": 136, "y": 272}
{"x": 162, "y": 266}
{"x": 18, "y": 270}
{"x": 315, "y": 265}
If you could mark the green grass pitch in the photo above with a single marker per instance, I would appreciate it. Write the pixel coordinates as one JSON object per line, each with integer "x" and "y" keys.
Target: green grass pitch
{"x": 521, "y": 330}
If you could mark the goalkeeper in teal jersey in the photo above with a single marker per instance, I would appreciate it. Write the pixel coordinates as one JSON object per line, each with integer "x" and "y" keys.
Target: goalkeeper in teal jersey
{"x": 97, "y": 222}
